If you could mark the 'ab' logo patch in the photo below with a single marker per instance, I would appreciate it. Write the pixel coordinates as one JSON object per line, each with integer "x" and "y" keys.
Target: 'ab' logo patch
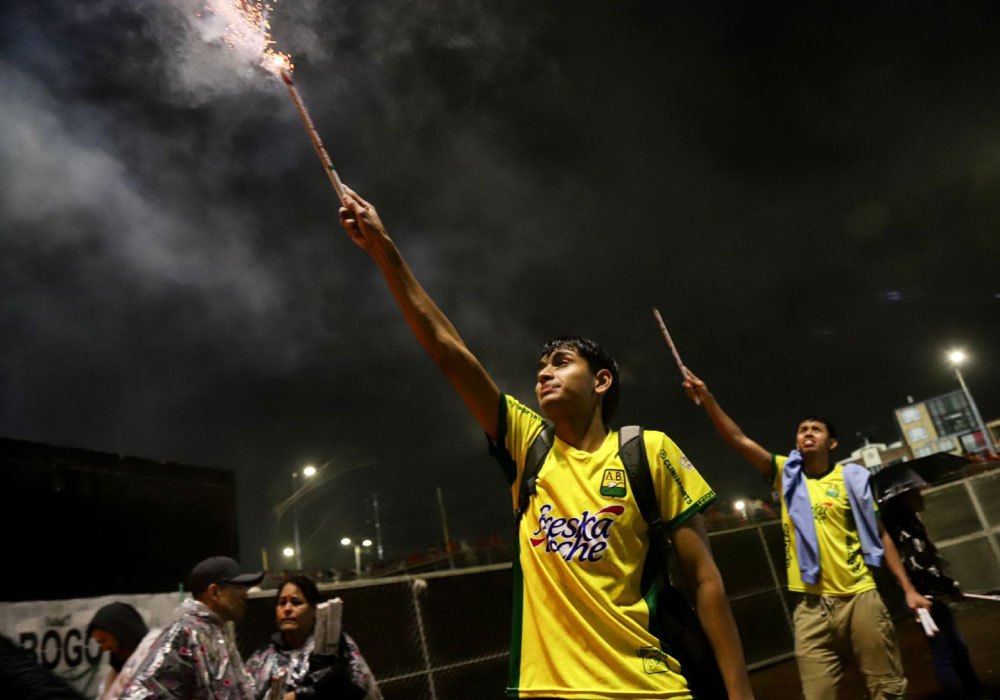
{"x": 613, "y": 483}
{"x": 656, "y": 661}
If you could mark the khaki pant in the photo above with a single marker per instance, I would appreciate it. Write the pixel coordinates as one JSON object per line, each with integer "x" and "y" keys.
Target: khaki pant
{"x": 829, "y": 628}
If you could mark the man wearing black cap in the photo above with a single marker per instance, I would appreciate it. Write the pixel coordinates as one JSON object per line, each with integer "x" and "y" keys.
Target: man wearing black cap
{"x": 195, "y": 656}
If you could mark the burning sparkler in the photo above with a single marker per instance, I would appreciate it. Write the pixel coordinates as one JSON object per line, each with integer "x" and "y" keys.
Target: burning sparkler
{"x": 249, "y": 27}
{"x": 673, "y": 349}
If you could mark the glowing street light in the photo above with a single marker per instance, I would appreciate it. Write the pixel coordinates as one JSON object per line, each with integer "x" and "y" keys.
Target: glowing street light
{"x": 740, "y": 507}
{"x": 288, "y": 552}
{"x": 957, "y": 357}
{"x": 307, "y": 472}
{"x": 346, "y": 541}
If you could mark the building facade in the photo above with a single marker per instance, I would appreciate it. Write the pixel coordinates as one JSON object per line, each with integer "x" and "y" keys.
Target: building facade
{"x": 944, "y": 423}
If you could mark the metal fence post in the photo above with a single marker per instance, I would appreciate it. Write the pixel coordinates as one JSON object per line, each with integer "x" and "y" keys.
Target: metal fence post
{"x": 422, "y": 586}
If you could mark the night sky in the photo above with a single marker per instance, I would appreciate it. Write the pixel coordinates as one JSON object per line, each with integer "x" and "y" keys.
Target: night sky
{"x": 812, "y": 199}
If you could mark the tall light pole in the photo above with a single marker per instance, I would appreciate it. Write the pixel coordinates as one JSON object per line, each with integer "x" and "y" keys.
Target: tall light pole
{"x": 957, "y": 357}
{"x": 307, "y": 472}
{"x": 357, "y": 551}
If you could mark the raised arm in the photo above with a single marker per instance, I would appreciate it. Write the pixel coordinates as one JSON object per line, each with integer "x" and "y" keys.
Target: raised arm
{"x": 431, "y": 327}
{"x": 726, "y": 427}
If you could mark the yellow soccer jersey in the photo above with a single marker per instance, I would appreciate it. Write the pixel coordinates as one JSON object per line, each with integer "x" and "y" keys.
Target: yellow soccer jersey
{"x": 583, "y": 580}
{"x": 843, "y": 570}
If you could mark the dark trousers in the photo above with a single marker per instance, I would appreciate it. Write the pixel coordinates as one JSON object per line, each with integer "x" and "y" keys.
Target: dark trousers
{"x": 950, "y": 655}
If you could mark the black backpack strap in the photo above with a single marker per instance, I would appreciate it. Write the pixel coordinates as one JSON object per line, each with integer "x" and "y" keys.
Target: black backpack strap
{"x": 632, "y": 450}
{"x": 533, "y": 462}
{"x": 679, "y": 626}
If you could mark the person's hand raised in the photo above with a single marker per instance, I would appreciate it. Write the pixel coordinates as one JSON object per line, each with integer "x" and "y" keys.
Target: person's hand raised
{"x": 361, "y": 222}
{"x": 695, "y": 388}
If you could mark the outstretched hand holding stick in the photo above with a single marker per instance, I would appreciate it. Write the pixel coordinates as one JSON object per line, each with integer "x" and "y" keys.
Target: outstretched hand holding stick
{"x": 673, "y": 349}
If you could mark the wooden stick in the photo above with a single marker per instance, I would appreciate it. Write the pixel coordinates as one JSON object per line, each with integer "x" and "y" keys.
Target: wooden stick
{"x": 673, "y": 349}
{"x": 317, "y": 142}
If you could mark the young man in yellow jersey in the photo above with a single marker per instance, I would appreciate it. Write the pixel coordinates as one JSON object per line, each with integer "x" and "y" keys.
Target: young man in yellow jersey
{"x": 583, "y": 579}
{"x": 839, "y": 610}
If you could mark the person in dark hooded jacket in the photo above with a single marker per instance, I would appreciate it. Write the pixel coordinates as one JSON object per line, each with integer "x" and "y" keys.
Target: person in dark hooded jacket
{"x": 119, "y": 630}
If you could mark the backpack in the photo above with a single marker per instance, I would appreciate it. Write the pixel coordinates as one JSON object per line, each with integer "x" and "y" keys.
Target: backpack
{"x": 675, "y": 621}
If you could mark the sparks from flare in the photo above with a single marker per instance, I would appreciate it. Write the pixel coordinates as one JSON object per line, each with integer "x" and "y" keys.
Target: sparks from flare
{"x": 248, "y": 27}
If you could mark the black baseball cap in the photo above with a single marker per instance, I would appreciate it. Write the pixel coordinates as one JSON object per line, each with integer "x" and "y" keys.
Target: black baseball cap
{"x": 220, "y": 570}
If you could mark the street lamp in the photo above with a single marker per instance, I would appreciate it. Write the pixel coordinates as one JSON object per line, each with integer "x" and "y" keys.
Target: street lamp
{"x": 288, "y": 552}
{"x": 307, "y": 471}
{"x": 346, "y": 541}
{"x": 957, "y": 357}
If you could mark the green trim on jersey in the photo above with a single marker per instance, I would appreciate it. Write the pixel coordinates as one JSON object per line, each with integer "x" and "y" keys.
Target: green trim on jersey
{"x": 650, "y": 589}
{"x": 695, "y": 508}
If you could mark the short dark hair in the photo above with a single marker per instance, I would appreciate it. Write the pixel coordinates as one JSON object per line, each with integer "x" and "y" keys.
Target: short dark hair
{"x": 304, "y": 584}
{"x": 830, "y": 427}
{"x": 597, "y": 358}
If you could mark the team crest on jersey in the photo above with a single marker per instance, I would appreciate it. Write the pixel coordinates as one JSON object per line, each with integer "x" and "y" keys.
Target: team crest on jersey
{"x": 832, "y": 492}
{"x": 656, "y": 661}
{"x": 685, "y": 462}
{"x": 613, "y": 483}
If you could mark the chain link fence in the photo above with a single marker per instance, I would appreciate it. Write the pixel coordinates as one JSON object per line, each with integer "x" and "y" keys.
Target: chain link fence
{"x": 963, "y": 520}
{"x": 443, "y": 635}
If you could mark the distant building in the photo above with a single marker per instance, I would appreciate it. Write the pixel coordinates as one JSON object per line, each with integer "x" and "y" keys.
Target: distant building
{"x": 877, "y": 455}
{"x": 994, "y": 427}
{"x": 944, "y": 423}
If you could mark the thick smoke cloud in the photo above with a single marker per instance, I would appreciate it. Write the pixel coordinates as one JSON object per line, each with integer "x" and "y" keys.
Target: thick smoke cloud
{"x": 815, "y": 222}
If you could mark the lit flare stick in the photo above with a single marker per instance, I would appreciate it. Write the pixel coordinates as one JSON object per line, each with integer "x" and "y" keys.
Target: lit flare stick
{"x": 673, "y": 349}
{"x": 927, "y": 622}
{"x": 317, "y": 142}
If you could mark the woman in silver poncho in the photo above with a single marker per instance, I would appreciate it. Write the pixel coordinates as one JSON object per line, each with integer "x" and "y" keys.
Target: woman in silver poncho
{"x": 310, "y": 676}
